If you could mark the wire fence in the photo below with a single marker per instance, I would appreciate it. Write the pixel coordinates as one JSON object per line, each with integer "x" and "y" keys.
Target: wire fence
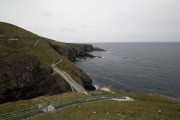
{"x": 25, "y": 113}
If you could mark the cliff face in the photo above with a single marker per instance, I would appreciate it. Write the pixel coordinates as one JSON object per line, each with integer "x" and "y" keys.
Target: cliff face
{"x": 25, "y": 70}
{"x": 25, "y": 78}
{"x": 73, "y": 51}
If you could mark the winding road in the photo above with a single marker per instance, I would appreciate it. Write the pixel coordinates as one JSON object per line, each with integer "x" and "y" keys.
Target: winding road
{"x": 68, "y": 78}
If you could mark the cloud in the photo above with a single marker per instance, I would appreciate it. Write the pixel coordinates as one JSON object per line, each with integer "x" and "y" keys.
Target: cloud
{"x": 136, "y": 35}
{"x": 96, "y": 20}
{"x": 82, "y": 26}
{"x": 71, "y": 29}
{"x": 67, "y": 29}
{"x": 47, "y": 14}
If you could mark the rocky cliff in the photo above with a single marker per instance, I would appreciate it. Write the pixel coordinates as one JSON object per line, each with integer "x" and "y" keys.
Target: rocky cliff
{"x": 25, "y": 70}
{"x": 73, "y": 51}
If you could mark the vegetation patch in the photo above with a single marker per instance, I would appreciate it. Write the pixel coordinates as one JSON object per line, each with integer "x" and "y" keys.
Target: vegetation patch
{"x": 145, "y": 107}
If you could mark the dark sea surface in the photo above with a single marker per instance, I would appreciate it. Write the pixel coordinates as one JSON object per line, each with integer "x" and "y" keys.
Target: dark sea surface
{"x": 143, "y": 67}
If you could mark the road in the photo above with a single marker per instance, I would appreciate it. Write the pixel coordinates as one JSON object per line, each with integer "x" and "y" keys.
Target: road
{"x": 68, "y": 78}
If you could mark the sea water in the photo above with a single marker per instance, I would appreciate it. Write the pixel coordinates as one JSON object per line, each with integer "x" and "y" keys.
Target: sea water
{"x": 143, "y": 67}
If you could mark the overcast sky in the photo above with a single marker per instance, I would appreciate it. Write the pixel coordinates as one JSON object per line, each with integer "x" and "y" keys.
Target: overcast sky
{"x": 96, "y": 20}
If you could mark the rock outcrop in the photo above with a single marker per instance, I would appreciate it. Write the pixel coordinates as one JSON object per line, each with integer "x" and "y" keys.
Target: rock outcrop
{"x": 73, "y": 51}
{"x": 25, "y": 78}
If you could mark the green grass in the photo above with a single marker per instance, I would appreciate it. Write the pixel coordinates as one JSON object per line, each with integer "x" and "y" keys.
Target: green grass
{"x": 24, "y": 104}
{"x": 145, "y": 107}
{"x": 14, "y": 106}
{"x": 43, "y": 52}
{"x": 12, "y": 31}
{"x": 113, "y": 110}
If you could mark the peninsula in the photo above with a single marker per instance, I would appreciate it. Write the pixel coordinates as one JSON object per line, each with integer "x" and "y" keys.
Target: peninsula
{"x": 37, "y": 77}
{"x": 25, "y": 64}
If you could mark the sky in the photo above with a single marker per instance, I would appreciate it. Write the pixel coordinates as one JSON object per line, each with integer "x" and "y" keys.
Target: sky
{"x": 96, "y": 20}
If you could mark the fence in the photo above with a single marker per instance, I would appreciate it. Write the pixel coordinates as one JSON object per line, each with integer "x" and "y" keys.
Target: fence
{"x": 22, "y": 114}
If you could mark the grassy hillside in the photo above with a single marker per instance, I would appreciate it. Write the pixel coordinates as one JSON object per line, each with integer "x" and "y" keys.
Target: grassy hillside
{"x": 25, "y": 70}
{"x": 8, "y": 31}
{"x": 145, "y": 107}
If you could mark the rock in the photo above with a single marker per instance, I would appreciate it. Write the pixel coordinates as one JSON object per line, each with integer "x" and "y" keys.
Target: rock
{"x": 27, "y": 78}
{"x": 178, "y": 112}
{"x": 107, "y": 89}
{"x": 159, "y": 111}
{"x": 46, "y": 108}
{"x": 73, "y": 51}
{"x": 97, "y": 49}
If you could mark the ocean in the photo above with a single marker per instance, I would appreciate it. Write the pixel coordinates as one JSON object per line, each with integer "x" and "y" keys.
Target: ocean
{"x": 142, "y": 67}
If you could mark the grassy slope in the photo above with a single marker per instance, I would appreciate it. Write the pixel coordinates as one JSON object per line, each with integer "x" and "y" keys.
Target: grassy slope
{"x": 12, "y": 51}
{"x": 43, "y": 51}
{"x": 23, "y": 104}
{"x": 145, "y": 107}
{"x": 25, "y": 43}
{"x": 12, "y": 31}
